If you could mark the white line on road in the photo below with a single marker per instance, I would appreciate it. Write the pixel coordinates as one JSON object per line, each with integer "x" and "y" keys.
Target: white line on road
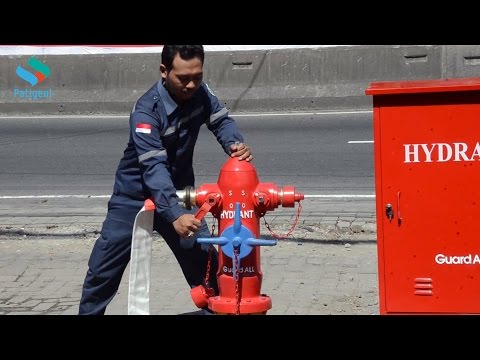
{"x": 304, "y": 113}
{"x": 107, "y": 196}
{"x": 361, "y": 142}
{"x": 233, "y": 115}
{"x": 340, "y": 196}
{"x": 56, "y": 197}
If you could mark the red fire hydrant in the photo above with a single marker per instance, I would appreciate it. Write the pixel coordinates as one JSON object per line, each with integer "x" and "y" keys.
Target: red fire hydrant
{"x": 238, "y": 201}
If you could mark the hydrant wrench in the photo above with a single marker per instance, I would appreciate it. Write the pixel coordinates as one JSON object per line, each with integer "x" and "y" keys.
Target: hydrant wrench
{"x": 212, "y": 200}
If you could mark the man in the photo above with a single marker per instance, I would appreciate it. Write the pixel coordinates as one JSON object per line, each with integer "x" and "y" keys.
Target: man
{"x": 164, "y": 126}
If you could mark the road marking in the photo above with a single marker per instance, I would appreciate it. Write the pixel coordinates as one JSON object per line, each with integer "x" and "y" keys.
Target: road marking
{"x": 56, "y": 197}
{"x": 361, "y": 142}
{"x": 340, "y": 196}
{"x": 65, "y": 117}
{"x": 107, "y": 196}
{"x": 304, "y": 113}
{"x": 233, "y": 115}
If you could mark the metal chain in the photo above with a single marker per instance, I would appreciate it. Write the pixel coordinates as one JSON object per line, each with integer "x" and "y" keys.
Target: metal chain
{"x": 237, "y": 280}
{"x": 278, "y": 236}
{"x": 209, "y": 262}
{"x": 207, "y": 275}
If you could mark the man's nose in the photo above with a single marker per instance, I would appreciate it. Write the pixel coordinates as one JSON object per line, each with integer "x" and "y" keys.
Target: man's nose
{"x": 190, "y": 85}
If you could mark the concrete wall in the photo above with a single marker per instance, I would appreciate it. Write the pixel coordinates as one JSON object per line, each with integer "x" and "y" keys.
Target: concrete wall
{"x": 321, "y": 79}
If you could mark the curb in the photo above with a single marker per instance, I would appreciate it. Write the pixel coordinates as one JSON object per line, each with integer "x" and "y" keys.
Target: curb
{"x": 312, "y": 232}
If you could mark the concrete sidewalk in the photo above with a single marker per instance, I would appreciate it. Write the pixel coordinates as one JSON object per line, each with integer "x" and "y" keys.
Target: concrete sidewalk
{"x": 326, "y": 219}
{"x": 327, "y": 266}
{"x": 45, "y": 276}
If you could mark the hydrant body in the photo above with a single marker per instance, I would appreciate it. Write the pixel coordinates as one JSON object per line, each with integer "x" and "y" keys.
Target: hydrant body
{"x": 238, "y": 201}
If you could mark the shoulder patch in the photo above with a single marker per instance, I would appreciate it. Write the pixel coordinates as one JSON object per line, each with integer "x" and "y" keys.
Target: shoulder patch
{"x": 143, "y": 128}
{"x": 210, "y": 90}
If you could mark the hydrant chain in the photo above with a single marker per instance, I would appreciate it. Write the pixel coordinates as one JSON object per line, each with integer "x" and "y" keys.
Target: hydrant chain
{"x": 237, "y": 281}
{"x": 209, "y": 263}
{"x": 294, "y": 225}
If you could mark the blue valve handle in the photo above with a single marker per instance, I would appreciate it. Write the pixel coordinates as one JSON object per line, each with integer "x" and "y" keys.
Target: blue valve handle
{"x": 237, "y": 236}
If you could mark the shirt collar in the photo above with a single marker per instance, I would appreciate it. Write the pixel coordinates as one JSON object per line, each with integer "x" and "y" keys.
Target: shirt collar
{"x": 170, "y": 104}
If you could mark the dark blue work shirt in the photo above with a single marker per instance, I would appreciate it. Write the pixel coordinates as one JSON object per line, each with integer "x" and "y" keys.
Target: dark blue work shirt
{"x": 159, "y": 155}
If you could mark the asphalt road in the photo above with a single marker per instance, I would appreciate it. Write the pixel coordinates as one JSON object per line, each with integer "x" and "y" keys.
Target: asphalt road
{"x": 316, "y": 153}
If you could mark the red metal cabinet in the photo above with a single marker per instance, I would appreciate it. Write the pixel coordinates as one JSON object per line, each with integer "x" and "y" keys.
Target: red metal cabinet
{"x": 427, "y": 182}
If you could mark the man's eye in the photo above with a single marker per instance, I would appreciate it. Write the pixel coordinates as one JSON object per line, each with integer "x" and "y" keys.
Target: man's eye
{"x": 187, "y": 79}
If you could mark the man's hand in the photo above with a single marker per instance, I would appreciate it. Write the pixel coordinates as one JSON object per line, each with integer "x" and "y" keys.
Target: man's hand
{"x": 242, "y": 151}
{"x": 186, "y": 225}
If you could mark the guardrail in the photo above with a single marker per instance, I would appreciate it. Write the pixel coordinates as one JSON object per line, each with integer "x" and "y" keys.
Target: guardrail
{"x": 299, "y": 79}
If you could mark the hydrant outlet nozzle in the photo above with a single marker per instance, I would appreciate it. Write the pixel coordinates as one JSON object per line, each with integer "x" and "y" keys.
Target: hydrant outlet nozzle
{"x": 289, "y": 196}
{"x": 187, "y": 197}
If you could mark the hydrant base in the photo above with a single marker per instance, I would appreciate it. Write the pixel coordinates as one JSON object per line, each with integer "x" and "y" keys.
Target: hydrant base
{"x": 248, "y": 306}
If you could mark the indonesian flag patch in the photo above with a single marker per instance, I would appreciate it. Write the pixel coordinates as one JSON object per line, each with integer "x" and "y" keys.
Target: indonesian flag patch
{"x": 143, "y": 128}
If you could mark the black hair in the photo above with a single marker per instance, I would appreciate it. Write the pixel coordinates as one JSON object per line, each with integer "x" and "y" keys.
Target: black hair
{"x": 186, "y": 52}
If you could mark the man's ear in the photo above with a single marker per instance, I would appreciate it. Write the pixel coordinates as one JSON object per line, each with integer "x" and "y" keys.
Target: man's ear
{"x": 163, "y": 71}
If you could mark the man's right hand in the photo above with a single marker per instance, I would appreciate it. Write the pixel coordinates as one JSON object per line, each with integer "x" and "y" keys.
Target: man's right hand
{"x": 242, "y": 151}
{"x": 186, "y": 224}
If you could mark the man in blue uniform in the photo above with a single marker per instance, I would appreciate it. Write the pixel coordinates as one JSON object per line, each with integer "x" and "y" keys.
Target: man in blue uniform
{"x": 164, "y": 126}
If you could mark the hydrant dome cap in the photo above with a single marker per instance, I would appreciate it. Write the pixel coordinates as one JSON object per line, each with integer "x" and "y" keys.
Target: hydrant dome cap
{"x": 235, "y": 165}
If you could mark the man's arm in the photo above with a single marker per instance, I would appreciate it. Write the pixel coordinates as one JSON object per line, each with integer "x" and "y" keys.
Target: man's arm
{"x": 225, "y": 129}
{"x": 153, "y": 163}
{"x": 152, "y": 158}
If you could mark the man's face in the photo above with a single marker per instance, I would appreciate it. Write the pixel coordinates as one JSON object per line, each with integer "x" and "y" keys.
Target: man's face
{"x": 184, "y": 79}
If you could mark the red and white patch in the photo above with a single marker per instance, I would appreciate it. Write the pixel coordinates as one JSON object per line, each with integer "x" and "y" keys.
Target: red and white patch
{"x": 143, "y": 128}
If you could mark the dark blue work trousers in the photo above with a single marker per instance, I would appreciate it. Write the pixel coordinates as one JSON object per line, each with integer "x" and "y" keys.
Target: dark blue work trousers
{"x": 111, "y": 254}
